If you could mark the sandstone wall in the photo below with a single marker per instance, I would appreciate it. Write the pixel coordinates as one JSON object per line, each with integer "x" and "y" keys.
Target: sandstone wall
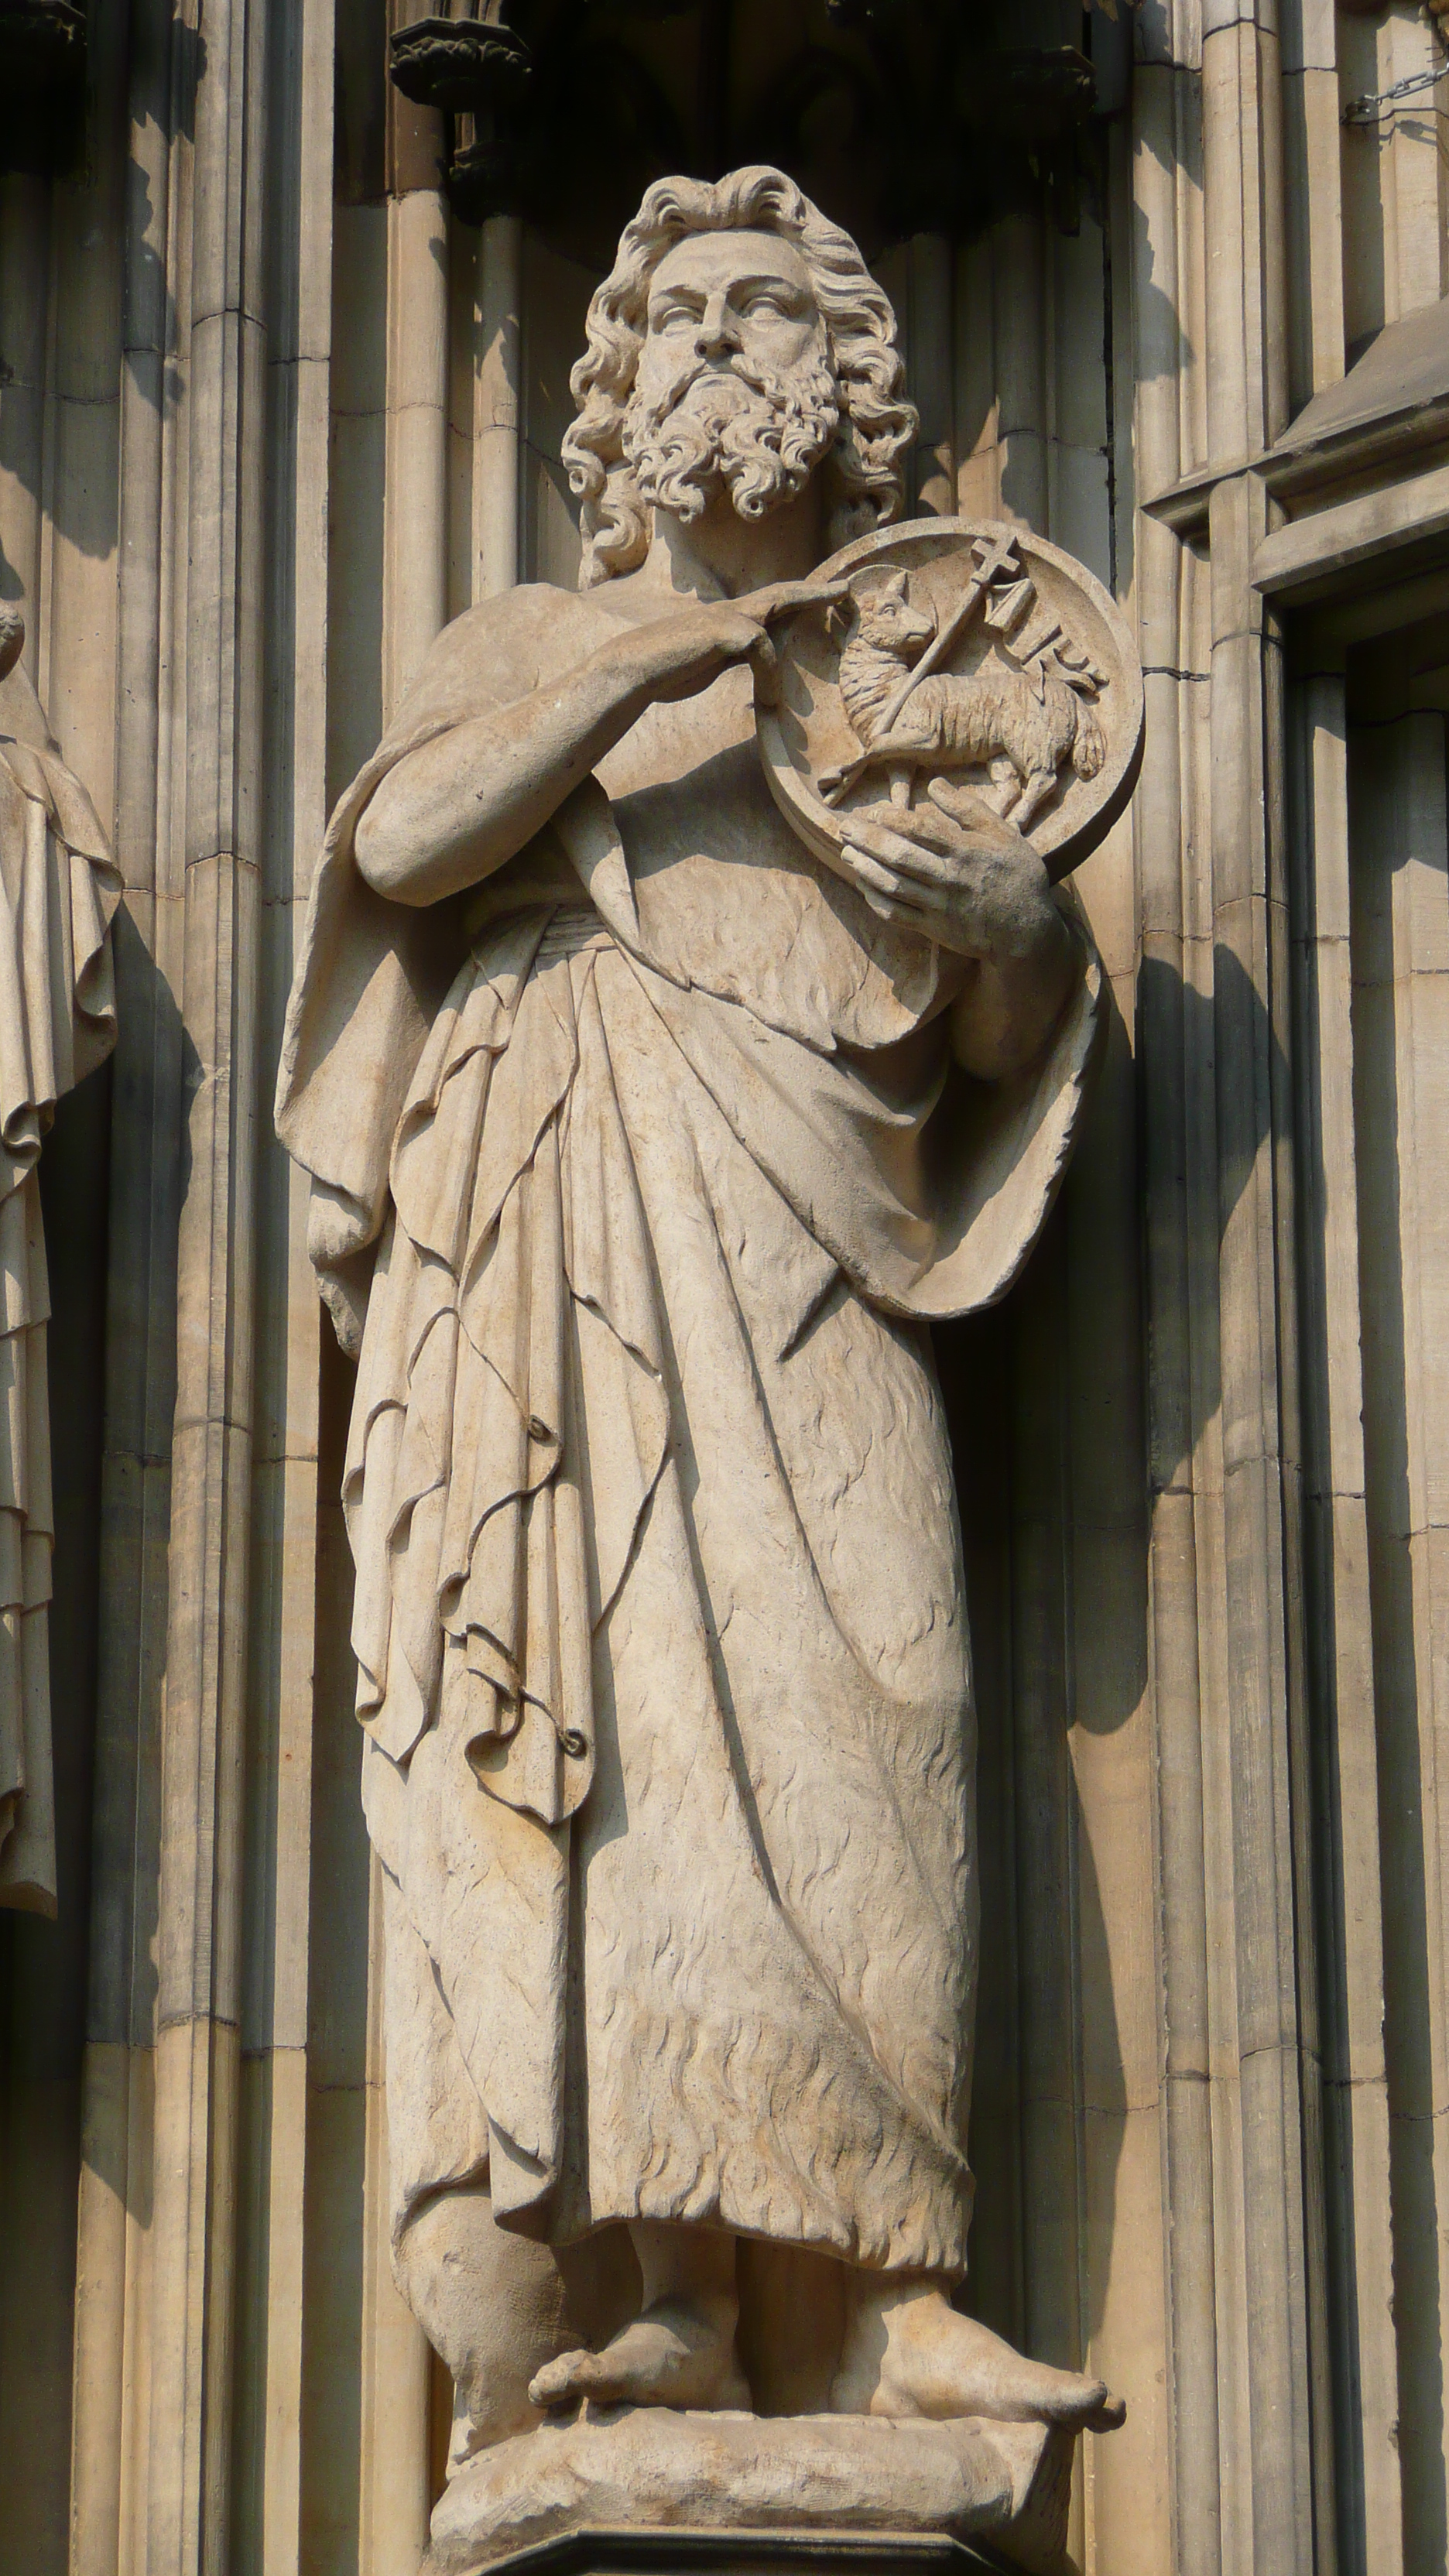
{"x": 270, "y": 415}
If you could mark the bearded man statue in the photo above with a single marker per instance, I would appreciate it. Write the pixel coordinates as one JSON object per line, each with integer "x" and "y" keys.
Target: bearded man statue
{"x": 644, "y": 1147}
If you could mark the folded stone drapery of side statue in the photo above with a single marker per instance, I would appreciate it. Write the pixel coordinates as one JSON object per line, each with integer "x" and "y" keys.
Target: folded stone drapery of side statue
{"x": 59, "y": 888}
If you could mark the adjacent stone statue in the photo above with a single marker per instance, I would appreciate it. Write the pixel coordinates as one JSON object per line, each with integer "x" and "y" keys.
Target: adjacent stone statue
{"x": 58, "y": 891}
{"x": 648, "y": 1128}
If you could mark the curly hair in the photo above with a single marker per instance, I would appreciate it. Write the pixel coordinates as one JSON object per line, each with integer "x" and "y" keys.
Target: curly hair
{"x": 877, "y": 424}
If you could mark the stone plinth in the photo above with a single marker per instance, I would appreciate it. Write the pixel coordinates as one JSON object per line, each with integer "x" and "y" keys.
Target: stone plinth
{"x": 689, "y": 2552}
{"x": 637, "y": 2488}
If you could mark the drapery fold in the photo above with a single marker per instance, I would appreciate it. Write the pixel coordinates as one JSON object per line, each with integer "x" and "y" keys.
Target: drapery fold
{"x": 936, "y": 1185}
{"x": 58, "y": 891}
{"x": 643, "y": 1911}
{"x": 633, "y": 1208}
{"x": 466, "y": 1464}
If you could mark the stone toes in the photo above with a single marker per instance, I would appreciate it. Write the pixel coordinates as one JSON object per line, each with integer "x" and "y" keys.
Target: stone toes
{"x": 560, "y": 2382}
{"x": 1107, "y": 2414}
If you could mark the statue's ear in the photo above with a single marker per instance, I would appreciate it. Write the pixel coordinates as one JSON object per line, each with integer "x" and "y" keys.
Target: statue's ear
{"x": 894, "y": 585}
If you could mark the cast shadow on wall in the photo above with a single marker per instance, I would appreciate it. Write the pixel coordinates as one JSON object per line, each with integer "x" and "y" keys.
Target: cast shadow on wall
{"x": 115, "y": 1429}
{"x": 1043, "y": 1397}
{"x": 1055, "y": 1474}
{"x": 1045, "y": 1980}
{"x": 1221, "y": 1077}
{"x": 43, "y": 1964}
{"x": 103, "y": 307}
{"x": 89, "y": 1977}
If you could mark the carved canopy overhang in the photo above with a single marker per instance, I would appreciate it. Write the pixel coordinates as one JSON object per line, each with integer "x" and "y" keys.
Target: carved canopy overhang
{"x": 42, "y": 82}
{"x": 900, "y": 116}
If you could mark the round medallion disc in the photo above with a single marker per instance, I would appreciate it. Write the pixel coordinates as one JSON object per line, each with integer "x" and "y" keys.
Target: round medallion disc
{"x": 969, "y": 660}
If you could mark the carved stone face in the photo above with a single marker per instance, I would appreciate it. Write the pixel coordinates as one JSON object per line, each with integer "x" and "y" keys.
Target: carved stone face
{"x": 734, "y": 383}
{"x": 718, "y": 294}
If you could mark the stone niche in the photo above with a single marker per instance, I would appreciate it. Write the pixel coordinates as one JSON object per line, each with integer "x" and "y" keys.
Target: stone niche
{"x": 285, "y": 345}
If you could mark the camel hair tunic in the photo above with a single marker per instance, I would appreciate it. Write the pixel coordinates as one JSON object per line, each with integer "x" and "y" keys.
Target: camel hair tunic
{"x": 637, "y": 1177}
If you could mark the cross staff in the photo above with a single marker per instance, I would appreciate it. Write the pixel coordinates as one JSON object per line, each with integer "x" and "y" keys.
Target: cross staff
{"x": 999, "y": 557}
{"x": 994, "y": 556}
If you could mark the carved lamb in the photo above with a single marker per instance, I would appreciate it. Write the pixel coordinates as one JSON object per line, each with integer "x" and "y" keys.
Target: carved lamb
{"x": 1019, "y": 726}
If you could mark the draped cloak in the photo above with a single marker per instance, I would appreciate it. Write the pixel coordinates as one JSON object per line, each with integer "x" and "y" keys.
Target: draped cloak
{"x": 58, "y": 890}
{"x": 637, "y": 1176}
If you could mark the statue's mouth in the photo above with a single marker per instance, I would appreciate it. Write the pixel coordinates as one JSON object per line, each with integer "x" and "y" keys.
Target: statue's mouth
{"x": 711, "y": 389}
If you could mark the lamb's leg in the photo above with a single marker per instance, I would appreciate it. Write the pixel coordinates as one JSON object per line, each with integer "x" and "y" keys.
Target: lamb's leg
{"x": 1038, "y": 788}
{"x": 1005, "y": 781}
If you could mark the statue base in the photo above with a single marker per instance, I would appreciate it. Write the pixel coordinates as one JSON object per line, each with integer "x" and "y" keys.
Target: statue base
{"x": 641, "y": 2488}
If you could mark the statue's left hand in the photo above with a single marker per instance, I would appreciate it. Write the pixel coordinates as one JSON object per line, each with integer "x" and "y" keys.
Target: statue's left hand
{"x": 963, "y": 878}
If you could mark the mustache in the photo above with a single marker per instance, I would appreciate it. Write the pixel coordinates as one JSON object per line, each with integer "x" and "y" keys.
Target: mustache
{"x": 724, "y": 372}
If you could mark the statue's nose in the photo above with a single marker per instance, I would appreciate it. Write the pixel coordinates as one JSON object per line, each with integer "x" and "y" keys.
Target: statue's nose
{"x": 718, "y": 328}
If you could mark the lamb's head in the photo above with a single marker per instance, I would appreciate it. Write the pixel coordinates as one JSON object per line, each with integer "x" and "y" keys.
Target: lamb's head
{"x": 878, "y": 612}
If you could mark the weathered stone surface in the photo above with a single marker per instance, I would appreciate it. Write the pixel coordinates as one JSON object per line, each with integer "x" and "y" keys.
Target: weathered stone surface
{"x": 611, "y": 1219}
{"x": 270, "y": 415}
{"x": 672, "y": 2474}
{"x": 59, "y": 888}
{"x": 682, "y": 2549}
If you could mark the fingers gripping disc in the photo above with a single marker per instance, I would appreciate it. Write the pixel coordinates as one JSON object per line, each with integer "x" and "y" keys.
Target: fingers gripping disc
{"x": 969, "y": 662}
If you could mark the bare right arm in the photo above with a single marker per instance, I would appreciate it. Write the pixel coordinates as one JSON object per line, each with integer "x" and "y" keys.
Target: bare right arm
{"x": 464, "y": 804}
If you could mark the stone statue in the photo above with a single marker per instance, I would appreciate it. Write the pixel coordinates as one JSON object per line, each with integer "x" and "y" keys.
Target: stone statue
{"x": 58, "y": 890}
{"x": 645, "y": 1141}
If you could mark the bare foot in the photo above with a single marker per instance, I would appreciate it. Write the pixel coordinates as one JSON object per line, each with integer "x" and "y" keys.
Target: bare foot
{"x": 680, "y": 2352}
{"x": 907, "y": 2352}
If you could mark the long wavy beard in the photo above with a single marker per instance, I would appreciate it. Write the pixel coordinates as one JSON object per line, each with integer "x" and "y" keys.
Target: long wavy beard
{"x": 757, "y": 431}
